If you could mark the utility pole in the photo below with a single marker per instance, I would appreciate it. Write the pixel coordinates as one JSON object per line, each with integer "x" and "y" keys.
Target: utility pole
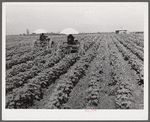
{"x": 27, "y": 31}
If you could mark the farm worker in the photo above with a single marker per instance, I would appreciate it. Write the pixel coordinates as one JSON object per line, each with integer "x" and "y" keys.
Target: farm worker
{"x": 43, "y": 37}
{"x": 70, "y": 39}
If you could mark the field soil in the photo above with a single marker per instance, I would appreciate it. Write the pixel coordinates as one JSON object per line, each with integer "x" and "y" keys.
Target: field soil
{"x": 107, "y": 75}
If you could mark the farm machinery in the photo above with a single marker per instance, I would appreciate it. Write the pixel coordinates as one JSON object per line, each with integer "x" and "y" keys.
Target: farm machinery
{"x": 46, "y": 44}
{"x": 42, "y": 45}
{"x": 67, "y": 47}
{"x": 71, "y": 46}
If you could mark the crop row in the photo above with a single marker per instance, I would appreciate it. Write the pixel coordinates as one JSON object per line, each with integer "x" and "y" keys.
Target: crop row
{"x": 135, "y": 63}
{"x": 25, "y": 58}
{"x": 19, "y": 68}
{"x": 139, "y": 42}
{"x": 16, "y": 53}
{"x": 131, "y": 42}
{"x": 138, "y": 37}
{"x": 23, "y": 77}
{"x": 66, "y": 84}
{"x": 39, "y": 65}
{"x": 16, "y": 45}
{"x": 25, "y": 96}
{"x": 124, "y": 94}
{"x": 95, "y": 78}
{"x": 17, "y": 48}
{"x": 135, "y": 51}
{"x": 26, "y": 66}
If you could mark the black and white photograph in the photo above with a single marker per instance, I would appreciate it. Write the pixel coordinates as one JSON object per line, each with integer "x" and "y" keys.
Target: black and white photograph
{"x": 79, "y": 60}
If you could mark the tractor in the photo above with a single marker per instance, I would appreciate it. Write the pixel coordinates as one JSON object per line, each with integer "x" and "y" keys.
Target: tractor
{"x": 67, "y": 47}
{"x": 47, "y": 44}
{"x": 71, "y": 46}
{"x": 42, "y": 45}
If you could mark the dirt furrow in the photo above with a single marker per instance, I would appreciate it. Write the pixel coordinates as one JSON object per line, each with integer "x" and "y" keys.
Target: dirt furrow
{"x": 129, "y": 94}
{"x": 48, "y": 92}
{"x": 93, "y": 91}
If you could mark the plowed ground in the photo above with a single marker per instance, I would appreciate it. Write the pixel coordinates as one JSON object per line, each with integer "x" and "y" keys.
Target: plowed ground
{"x": 109, "y": 75}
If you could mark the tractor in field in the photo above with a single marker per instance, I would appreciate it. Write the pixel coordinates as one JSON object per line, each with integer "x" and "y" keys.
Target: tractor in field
{"x": 67, "y": 47}
{"x": 44, "y": 44}
{"x": 71, "y": 46}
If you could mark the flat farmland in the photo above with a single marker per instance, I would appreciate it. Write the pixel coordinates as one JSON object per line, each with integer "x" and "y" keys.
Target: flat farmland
{"x": 109, "y": 75}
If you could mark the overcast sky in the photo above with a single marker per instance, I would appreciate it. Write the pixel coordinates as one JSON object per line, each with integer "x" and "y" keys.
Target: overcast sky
{"x": 84, "y": 17}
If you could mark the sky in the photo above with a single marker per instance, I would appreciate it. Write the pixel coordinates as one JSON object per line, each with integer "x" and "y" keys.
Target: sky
{"x": 84, "y": 17}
